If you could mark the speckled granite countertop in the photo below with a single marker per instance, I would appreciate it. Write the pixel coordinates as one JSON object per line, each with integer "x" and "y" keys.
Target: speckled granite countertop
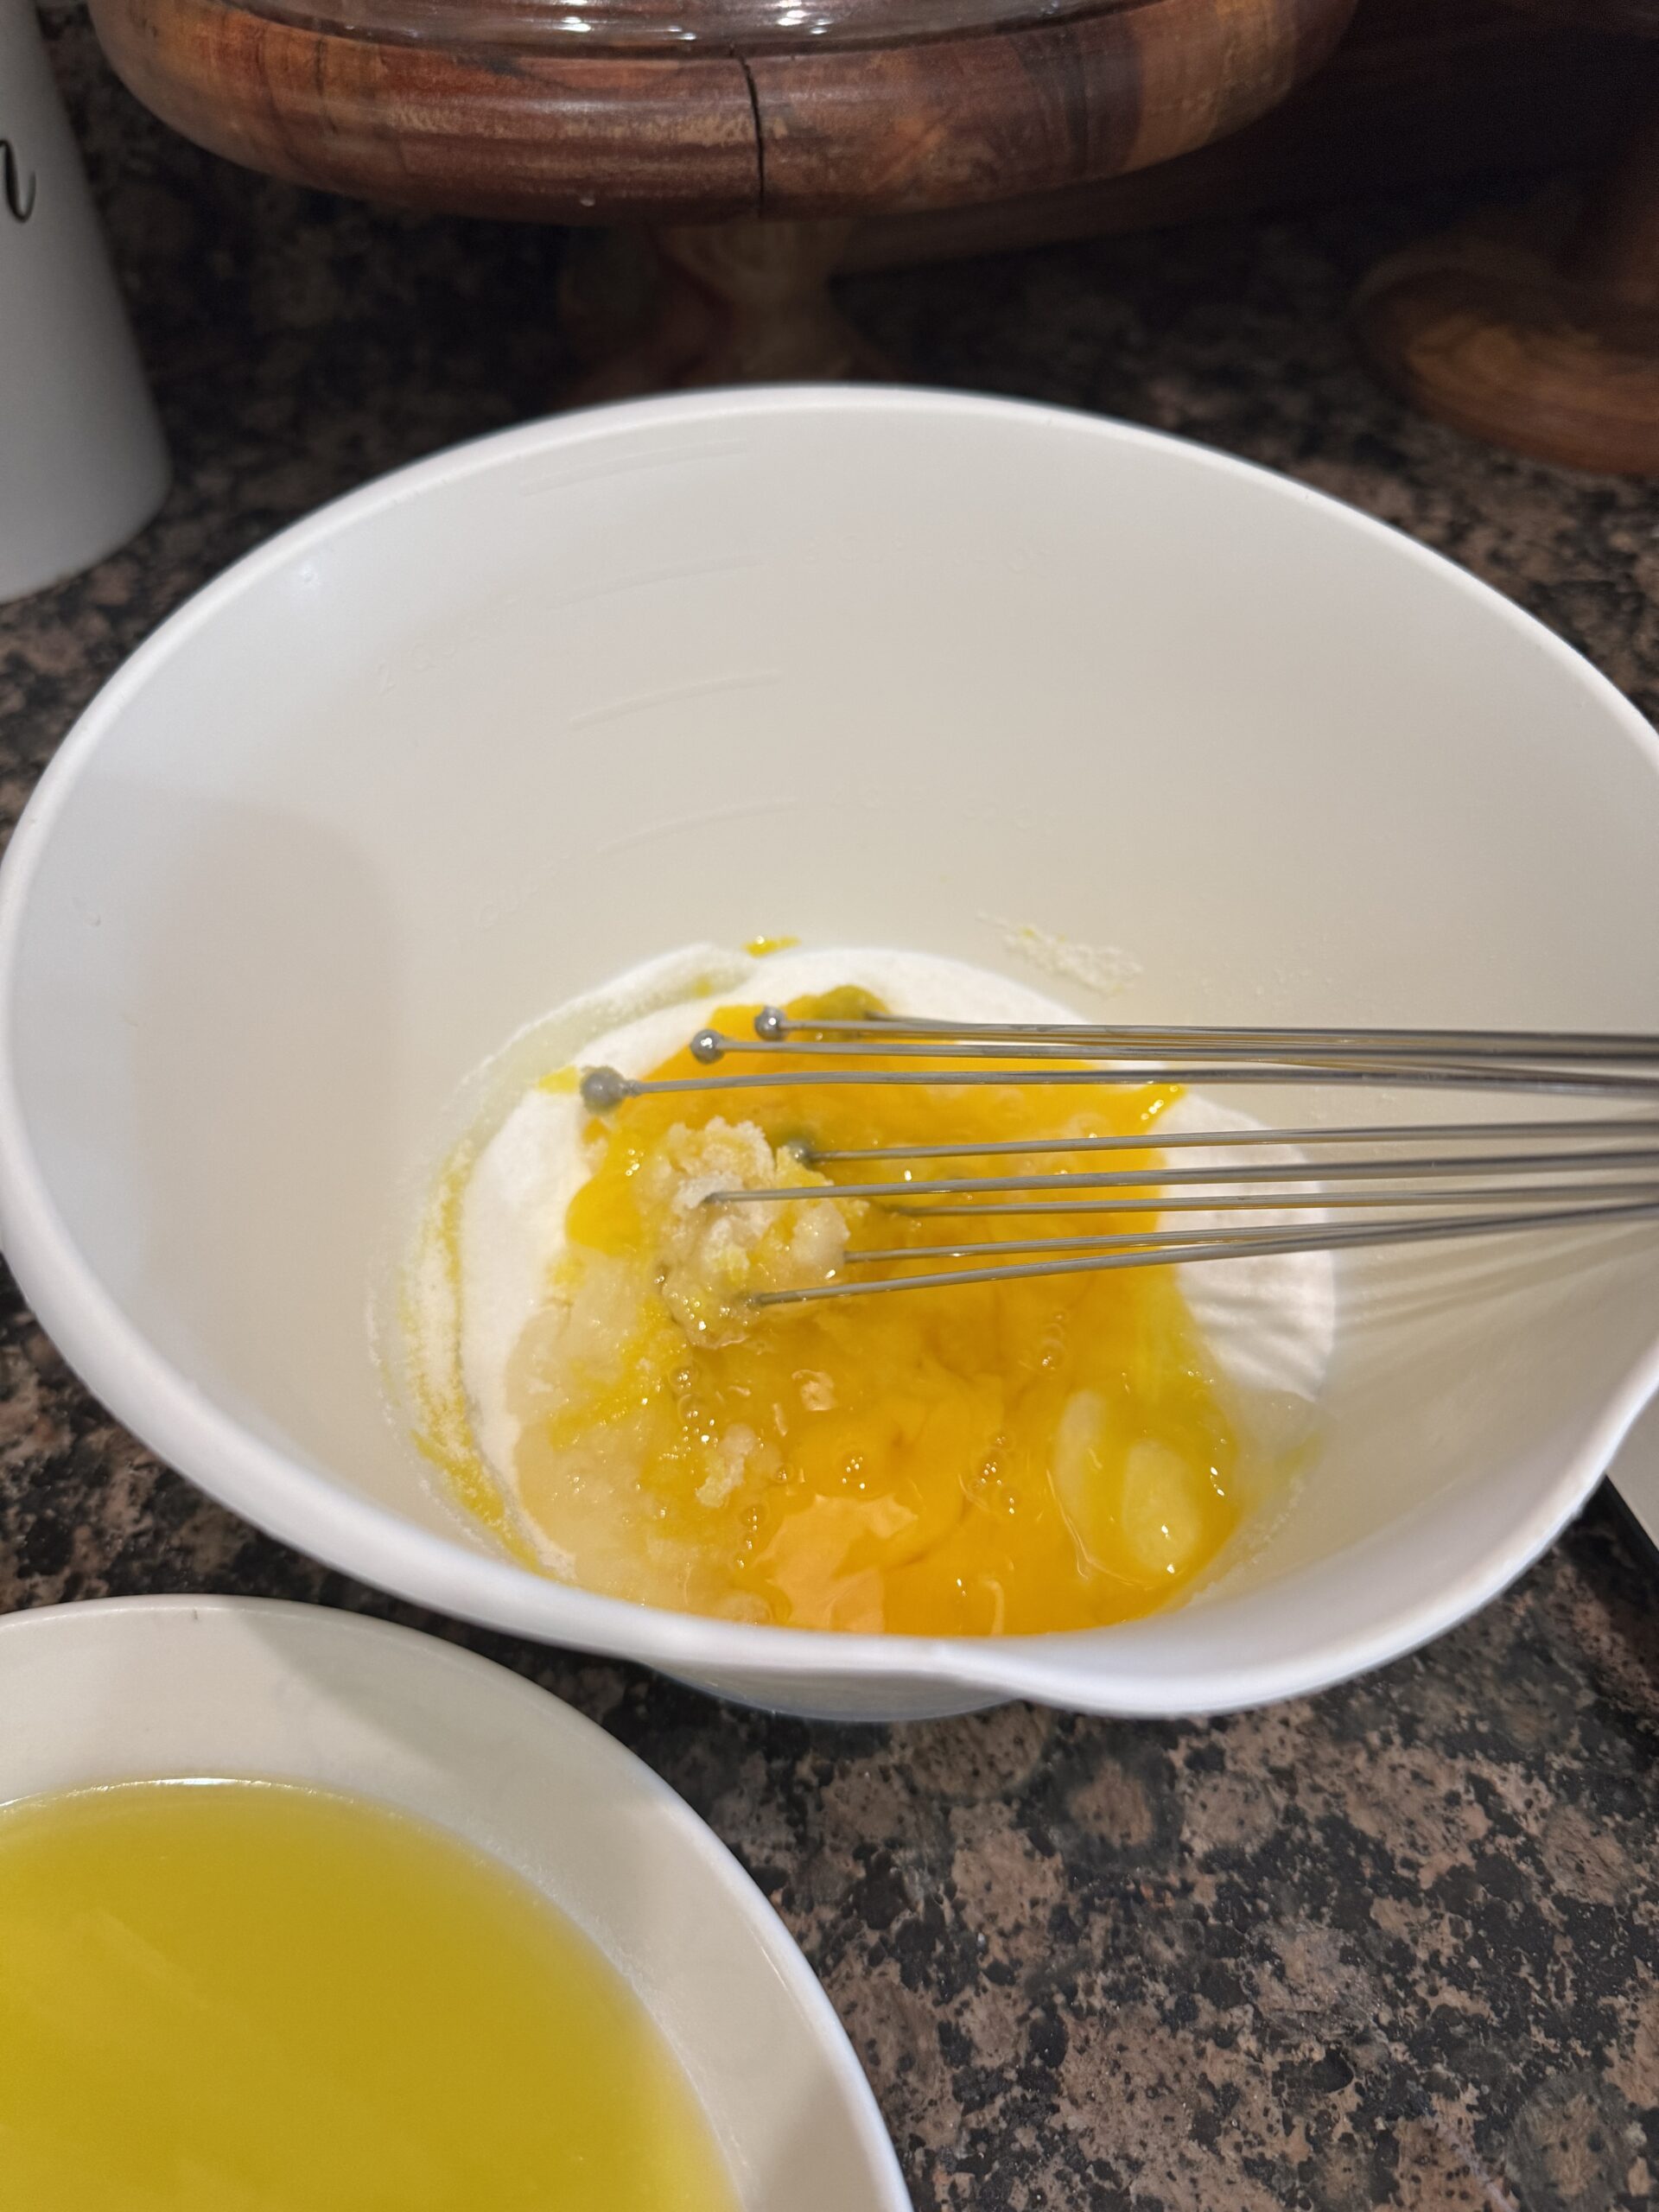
{"x": 1397, "y": 1945}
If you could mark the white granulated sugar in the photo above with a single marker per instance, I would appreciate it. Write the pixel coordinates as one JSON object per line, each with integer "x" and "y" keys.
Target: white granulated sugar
{"x": 1270, "y": 1321}
{"x": 1104, "y": 969}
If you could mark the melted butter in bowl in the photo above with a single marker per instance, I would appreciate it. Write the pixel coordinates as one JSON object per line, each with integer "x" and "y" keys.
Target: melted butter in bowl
{"x": 1055, "y": 1453}
{"x": 256, "y": 1995}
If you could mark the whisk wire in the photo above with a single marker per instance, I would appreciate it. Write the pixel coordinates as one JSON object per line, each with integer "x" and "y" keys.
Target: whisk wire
{"x": 1474, "y": 1178}
{"x": 1143, "y": 1252}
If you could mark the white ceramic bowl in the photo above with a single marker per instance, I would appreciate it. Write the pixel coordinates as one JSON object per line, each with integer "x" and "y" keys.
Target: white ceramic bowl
{"x": 155, "y": 1688}
{"x": 874, "y": 667}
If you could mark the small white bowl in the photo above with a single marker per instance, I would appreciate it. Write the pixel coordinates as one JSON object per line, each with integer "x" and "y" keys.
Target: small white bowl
{"x": 155, "y": 1688}
{"x": 883, "y": 667}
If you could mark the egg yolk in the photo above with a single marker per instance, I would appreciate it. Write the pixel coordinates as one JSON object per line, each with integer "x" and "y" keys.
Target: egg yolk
{"x": 1039, "y": 1453}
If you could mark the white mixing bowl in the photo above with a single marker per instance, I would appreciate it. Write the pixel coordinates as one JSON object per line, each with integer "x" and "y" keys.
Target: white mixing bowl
{"x": 890, "y": 668}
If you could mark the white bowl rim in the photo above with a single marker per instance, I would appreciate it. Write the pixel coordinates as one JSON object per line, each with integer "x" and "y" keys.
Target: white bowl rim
{"x": 183, "y": 1426}
{"x": 542, "y": 1712}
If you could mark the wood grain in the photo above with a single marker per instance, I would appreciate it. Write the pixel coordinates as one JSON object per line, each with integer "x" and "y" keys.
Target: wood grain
{"x": 613, "y": 137}
{"x": 706, "y": 304}
{"x": 1538, "y": 332}
{"x": 1415, "y": 95}
{"x": 1495, "y": 331}
{"x": 973, "y": 120}
{"x": 610, "y": 135}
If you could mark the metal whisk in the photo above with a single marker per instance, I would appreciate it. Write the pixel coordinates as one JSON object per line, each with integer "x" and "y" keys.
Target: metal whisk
{"x": 1418, "y": 1180}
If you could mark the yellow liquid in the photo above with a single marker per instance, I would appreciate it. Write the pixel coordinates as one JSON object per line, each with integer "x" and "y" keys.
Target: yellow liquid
{"x": 1040, "y": 1454}
{"x": 241, "y": 1997}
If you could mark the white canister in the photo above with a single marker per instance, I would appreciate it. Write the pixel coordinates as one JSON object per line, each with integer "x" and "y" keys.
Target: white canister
{"x": 82, "y": 460}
